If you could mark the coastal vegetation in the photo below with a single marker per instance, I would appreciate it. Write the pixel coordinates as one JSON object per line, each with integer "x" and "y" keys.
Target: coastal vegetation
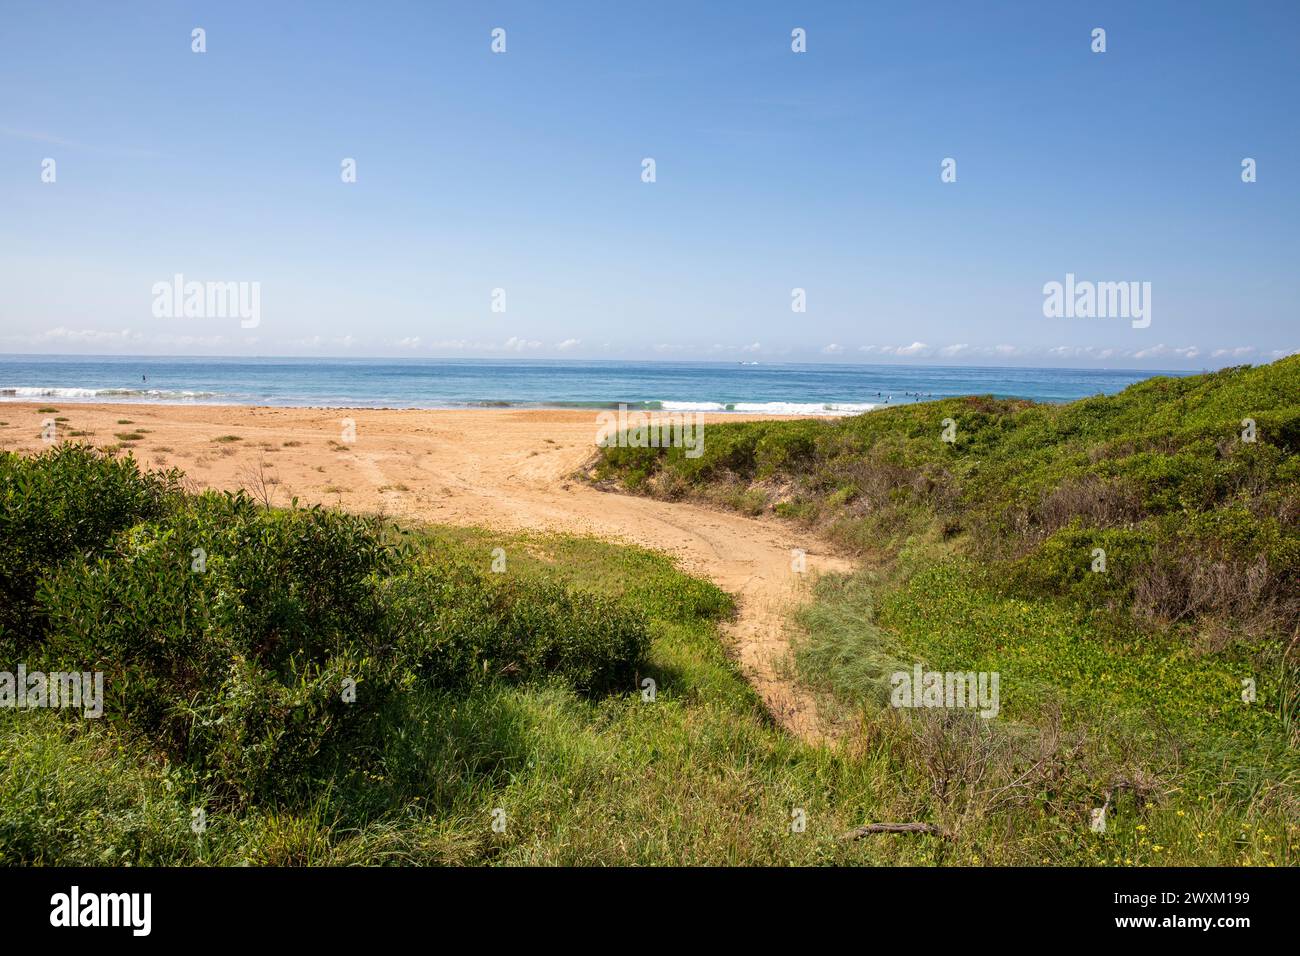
{"x": 305, "y": 686}
{"x": 1128, "y": 565}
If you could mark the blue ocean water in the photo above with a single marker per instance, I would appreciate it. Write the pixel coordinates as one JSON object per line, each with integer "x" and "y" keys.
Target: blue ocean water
{"x": 459, "y": 383}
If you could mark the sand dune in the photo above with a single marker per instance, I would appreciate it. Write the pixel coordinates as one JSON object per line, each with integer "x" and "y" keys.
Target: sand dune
{"x": 496, "y": 468}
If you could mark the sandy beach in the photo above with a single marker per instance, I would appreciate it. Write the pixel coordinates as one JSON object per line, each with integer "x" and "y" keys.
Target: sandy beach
{"x": 495, "y": 468}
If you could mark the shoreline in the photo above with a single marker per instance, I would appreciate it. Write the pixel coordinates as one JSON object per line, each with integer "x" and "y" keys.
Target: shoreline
{"x": 33, "y": 405}
{"x": 594, "y": 408}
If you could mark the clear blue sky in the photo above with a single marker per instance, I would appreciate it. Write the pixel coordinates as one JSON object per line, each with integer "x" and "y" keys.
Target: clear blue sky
{"x": 775, "y": 170}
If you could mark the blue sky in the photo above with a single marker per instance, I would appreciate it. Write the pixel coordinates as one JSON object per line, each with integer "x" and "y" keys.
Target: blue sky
{"x": 774, "y": 170}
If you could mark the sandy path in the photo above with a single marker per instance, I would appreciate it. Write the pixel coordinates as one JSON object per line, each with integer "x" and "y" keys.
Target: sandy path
{"x": 495, "y": 468}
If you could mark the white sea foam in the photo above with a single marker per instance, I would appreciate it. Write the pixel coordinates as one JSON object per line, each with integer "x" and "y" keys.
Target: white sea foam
{"x": 19, "y": 393}
{"x": 805, "y": 408}
{"x": 773, "y": 408}
{"x": 692, "y": 406}
{"x": 36, "y": 391}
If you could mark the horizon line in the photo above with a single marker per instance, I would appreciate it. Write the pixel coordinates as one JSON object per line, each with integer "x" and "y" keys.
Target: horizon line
{"x": 723, "y": 362}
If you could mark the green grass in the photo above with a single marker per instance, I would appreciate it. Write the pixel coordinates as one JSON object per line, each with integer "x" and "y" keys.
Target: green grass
{"x": 1222, "y": 777}
{"x": 699, "y": 776}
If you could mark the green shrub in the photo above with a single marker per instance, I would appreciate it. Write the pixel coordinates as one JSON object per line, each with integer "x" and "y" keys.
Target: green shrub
{"x": 66, "y": 502}
{"x": 226, "y": 632}
{"x": 457, "y": 629}
{"x": 255, "y": 646}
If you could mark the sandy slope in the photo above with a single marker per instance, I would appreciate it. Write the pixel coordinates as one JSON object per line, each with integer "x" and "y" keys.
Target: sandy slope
{"x": 495, "y": 467}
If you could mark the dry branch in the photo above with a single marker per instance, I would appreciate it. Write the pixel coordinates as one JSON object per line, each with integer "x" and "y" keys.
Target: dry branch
{"x": 870, "y": 828}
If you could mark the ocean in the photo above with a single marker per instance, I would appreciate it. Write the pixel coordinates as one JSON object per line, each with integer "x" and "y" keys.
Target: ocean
{"x": 487, "y": 383}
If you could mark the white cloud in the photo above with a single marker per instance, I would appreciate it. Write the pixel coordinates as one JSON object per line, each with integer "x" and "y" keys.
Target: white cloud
{"x": 833, "y": 349}
{"x": 321, "y": 342}
{"x": 1092, "y": 352}
{"x": 568, "y": 344}
{"x": 1162, "y": 351}
{"x": 80, "y": 336}
{"x": 916, "y": 348}
{"x": 516, "y": 344}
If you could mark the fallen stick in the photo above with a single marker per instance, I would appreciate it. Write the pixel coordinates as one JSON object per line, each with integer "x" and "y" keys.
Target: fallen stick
{"x": 896, "y": 828}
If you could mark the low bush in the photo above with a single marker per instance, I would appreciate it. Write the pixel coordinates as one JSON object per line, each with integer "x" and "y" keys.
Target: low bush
{"x": 256, "y": 646}
{"x": 65, "y": 503}
{"x": 456, "y": 629}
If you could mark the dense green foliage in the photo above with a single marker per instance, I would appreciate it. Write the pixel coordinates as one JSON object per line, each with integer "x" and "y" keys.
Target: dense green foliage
{"x": 72, "y": 502}
{"x": 1199, "y": 518}
{"x": 254, "y": 646}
